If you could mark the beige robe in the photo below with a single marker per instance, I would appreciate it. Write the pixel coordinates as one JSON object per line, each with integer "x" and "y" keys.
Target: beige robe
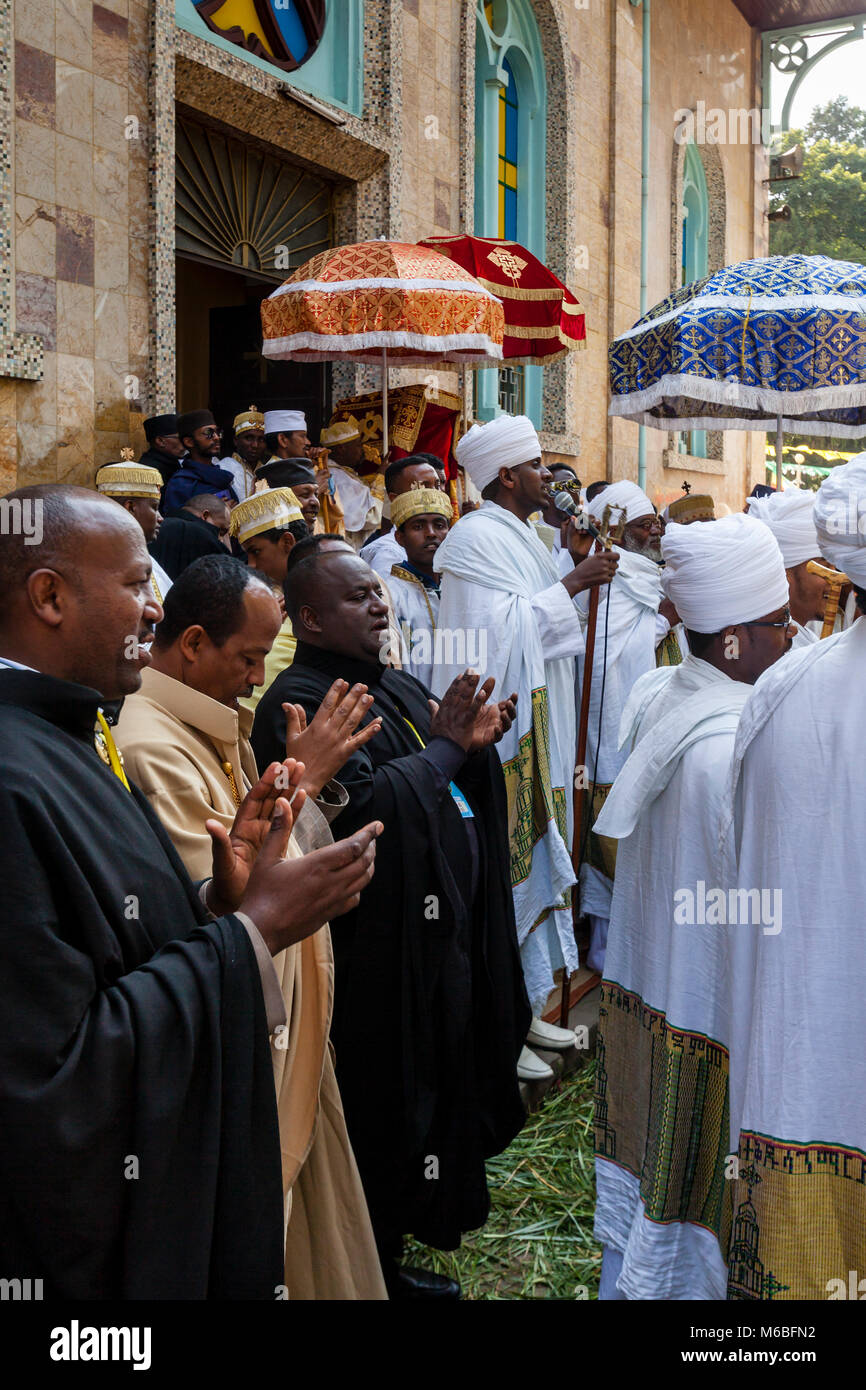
{"x": 174, "y": 740}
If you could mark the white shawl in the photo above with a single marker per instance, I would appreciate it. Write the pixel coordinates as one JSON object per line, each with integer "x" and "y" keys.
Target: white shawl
{"x": 626, "y": 631}
{"x": 793, "y": 823}
{"x": 501, "y": 594}
{"x": 664, "y": 809}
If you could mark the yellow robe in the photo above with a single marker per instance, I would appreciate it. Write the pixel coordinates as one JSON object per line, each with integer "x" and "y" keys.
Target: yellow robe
{"x": 174, "y": 741}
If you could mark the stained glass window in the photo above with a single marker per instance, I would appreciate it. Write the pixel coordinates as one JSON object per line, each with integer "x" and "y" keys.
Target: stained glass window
{"x": 508, "y": 157}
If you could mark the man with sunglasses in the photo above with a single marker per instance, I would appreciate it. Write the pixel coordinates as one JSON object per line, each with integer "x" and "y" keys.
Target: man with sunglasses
{"x": 199, "y": 473}
{"x": 662, "y": 1093}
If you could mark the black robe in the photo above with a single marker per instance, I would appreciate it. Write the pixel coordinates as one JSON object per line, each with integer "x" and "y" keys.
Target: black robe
{"x": 139, "y": 1146}
{"x": 430, "y": 1008}
{"x": 167, "y": 464}
{"x": 183, "y": 538}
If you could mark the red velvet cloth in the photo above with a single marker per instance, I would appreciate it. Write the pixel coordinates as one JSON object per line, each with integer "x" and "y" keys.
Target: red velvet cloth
{"x": 545, "y": 317}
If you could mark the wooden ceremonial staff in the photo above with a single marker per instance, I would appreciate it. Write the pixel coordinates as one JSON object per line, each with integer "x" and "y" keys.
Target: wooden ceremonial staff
{"x": 603, "y": 542}
{"x": 836, "y": 582}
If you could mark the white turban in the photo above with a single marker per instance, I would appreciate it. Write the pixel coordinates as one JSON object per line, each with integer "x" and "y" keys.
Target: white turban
{"x": 723, "y": 572}
{"x": 505, "y": 442}
{"x": 619, "y": 496}
{"x": 789, "y": 516}
{"x": 840, "y": 519}
{"x": 284, "y": 421}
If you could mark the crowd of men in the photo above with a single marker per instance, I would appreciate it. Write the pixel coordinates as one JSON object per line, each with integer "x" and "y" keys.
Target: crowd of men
{"x": 295, "y": 865}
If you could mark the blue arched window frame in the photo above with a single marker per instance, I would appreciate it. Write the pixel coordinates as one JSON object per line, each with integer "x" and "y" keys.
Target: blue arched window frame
{"x": 508, "y": 50}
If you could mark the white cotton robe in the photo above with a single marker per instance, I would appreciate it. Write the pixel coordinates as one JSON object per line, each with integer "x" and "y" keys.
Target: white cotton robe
{"x": 416, "y": 609}
{"x": 794, "y": 822}
{"x": 662, "y": 1130}
{"x": 382, "y": 553}
{"x": 502, "y": 597}
{"x": 626, "y": 637}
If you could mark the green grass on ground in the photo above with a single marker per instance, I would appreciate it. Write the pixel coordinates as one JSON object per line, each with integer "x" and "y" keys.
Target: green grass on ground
{"x": 538, "y": 1241}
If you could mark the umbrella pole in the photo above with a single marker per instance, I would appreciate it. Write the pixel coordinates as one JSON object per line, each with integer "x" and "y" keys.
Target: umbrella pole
{"x": 779, "y": 452}
{"x": 384, "y": 404}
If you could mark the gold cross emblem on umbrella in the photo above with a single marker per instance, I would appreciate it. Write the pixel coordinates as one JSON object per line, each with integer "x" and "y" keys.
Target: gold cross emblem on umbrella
{"x": 512, "y": 265}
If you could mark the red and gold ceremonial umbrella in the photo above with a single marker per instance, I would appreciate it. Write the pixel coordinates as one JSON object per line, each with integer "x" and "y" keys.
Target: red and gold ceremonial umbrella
{"x": 388, "y": 302}
{"x": 543, "y": 319}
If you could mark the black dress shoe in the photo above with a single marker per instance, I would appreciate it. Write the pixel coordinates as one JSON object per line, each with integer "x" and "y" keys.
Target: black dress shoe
{"x": 409, "y": 1282}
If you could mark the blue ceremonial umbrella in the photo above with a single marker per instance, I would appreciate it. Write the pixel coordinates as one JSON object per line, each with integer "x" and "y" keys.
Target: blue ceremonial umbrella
{"x": 778, "y": 343}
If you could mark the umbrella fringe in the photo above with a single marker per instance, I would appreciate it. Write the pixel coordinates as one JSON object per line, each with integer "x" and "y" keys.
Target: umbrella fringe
{"x": 793, "y": 405}
{"x": 315, "y": 347}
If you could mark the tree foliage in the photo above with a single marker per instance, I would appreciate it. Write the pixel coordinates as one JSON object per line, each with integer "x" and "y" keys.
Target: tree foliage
{"x": 828, "y": 203}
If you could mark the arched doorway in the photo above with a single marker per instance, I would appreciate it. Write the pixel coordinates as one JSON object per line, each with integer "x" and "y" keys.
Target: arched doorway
{"x": 244, "y": 220}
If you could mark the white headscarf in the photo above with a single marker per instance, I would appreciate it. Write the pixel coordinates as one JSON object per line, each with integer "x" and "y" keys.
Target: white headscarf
{"x": 505, "y": 442}
{"x": 840, "y": 519}
{"x": 623, "y": 494}
{"x": 723, "y": 572}
{"x": 789, "y": 516}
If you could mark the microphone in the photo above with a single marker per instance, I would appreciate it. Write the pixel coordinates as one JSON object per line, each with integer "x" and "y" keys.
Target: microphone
{"x": 564, "y": 502}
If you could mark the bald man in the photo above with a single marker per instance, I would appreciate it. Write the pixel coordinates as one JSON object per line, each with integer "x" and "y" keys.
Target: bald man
{"x": 139, "y": 1151}
{"x": 201, "y": 527}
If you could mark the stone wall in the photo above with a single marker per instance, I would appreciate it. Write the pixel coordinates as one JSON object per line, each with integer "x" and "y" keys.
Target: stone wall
{"x": 94, "y": 89}
{"x": 80, "y": 244}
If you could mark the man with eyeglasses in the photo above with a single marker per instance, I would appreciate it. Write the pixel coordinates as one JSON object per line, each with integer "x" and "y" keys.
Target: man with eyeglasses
{"x": 662, "y": 1135}
{"x": 198, "y": 472}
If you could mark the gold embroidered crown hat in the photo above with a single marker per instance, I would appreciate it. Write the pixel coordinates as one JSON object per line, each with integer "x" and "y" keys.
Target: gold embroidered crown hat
{"x": 128, "y": 479}
{"x": 272, "y": 510}
{"x": 420, "y": 501}
{"x": 250, "y": 419}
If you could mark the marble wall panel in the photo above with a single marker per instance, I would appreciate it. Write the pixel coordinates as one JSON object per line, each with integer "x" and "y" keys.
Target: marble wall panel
{"x": 75, "y": 334}
{"x": 34, "y": 85}
{"x": 110, "y": 51}
{"x": 111, "y": 105}
{"x": 34, "y": 161}
{"x": 34, "y": 23}
{"x": 111, "y": 325}
{"x": 74, "y": 101}
{"x": 37, "y": 400}
{"x": 75, "y": 430}
{"x": 37, "y": 453}
{"x": 111, "y": 254}
{"x": 73, "y": 30}
{"x": 74, "y": 179}
{"x": 111, "y": 407}
{"x": 35, "y": 236}
{"x": 110, "y": 187}
{"x": 36, "y": 306}
{"x": 75, "y": 247}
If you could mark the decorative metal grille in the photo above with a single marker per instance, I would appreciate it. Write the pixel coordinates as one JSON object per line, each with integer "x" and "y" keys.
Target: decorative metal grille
{"x": 240, "y": 207}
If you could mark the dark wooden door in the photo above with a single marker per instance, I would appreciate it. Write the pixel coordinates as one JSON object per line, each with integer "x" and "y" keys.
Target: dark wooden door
{"x": 240, "y": 376}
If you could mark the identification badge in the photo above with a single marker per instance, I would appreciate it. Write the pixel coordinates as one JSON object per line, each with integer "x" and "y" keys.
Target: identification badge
{"x": 460, "y": 802}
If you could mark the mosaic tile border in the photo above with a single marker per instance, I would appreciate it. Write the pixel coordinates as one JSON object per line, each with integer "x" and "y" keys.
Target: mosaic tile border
{"x": 162, "y": 368}
{"x": 22, "y": 355}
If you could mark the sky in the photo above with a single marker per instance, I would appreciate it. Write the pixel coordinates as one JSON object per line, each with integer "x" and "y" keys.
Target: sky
{"x": 840, "y": 73}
